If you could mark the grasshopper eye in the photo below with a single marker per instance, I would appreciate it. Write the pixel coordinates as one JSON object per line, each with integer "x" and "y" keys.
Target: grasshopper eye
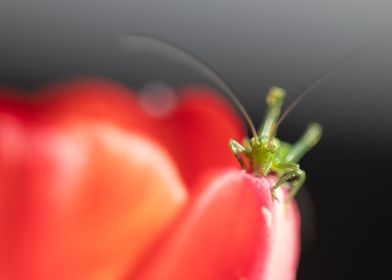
{"x": 274, "y": 146}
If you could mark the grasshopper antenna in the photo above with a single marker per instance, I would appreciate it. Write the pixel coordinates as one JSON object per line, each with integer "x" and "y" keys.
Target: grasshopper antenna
{"x": 315, "y": 83}
{"x": 145, "y": 43}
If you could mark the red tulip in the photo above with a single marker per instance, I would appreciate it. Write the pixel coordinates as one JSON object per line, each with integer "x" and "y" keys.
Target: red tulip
{"x": 92, "y": 186}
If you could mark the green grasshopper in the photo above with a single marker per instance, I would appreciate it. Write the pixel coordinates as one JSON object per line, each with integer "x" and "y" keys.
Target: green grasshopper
{"x": 266, "y": 153}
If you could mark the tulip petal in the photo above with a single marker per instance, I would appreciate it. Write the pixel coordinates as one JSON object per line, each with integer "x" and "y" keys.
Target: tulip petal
{"x": 197, "y": 132}
{"x": 227, "y": 232}
{"x": 286, "y": 240}
{"x": 80, "y": 200}
{"x": 93, "y": 98}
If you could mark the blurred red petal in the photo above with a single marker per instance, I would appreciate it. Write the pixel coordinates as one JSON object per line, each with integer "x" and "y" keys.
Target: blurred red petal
{"x": 97, "y": 99}
{"x": 197, "y": 132}
{"x": 80, "y": 200}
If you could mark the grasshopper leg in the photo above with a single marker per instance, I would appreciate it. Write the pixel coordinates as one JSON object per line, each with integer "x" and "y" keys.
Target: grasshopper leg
{"x": 308, "y": 140}
{"x": 237, "y": 148}
{"x": 289, "y": 171}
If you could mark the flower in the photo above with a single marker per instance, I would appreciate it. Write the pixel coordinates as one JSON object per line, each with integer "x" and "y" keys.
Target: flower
{"x": 94, "y": 186}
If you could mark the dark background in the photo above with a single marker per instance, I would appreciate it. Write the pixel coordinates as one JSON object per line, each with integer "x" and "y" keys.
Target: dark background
{"x": 346, "y": 206}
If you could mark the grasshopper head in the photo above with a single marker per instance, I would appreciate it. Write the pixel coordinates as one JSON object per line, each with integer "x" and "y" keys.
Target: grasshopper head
{"x": 263, "y": 153}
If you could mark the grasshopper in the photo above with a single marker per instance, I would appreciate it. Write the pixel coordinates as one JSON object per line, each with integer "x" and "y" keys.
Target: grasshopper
{"x": 265, "y": 153}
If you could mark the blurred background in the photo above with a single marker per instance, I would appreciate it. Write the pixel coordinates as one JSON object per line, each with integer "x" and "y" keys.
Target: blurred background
{"x": 346, "y": 205}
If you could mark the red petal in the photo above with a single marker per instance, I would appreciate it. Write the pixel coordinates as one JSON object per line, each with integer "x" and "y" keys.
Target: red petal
{"x": 80, "y": 200}
{"x": 197, "y": 132}
{"x": 97, "y": 99}
{"x": 232, "y": 230}
{"x": 286, "y": 241}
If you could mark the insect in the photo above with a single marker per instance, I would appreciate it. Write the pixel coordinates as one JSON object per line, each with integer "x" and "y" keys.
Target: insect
{"x": 263, "y": 152}
{"x": 266, "y": 153}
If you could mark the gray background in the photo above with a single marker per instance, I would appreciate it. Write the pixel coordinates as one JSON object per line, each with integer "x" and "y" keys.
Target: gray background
{"x": 253, "y": 45}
